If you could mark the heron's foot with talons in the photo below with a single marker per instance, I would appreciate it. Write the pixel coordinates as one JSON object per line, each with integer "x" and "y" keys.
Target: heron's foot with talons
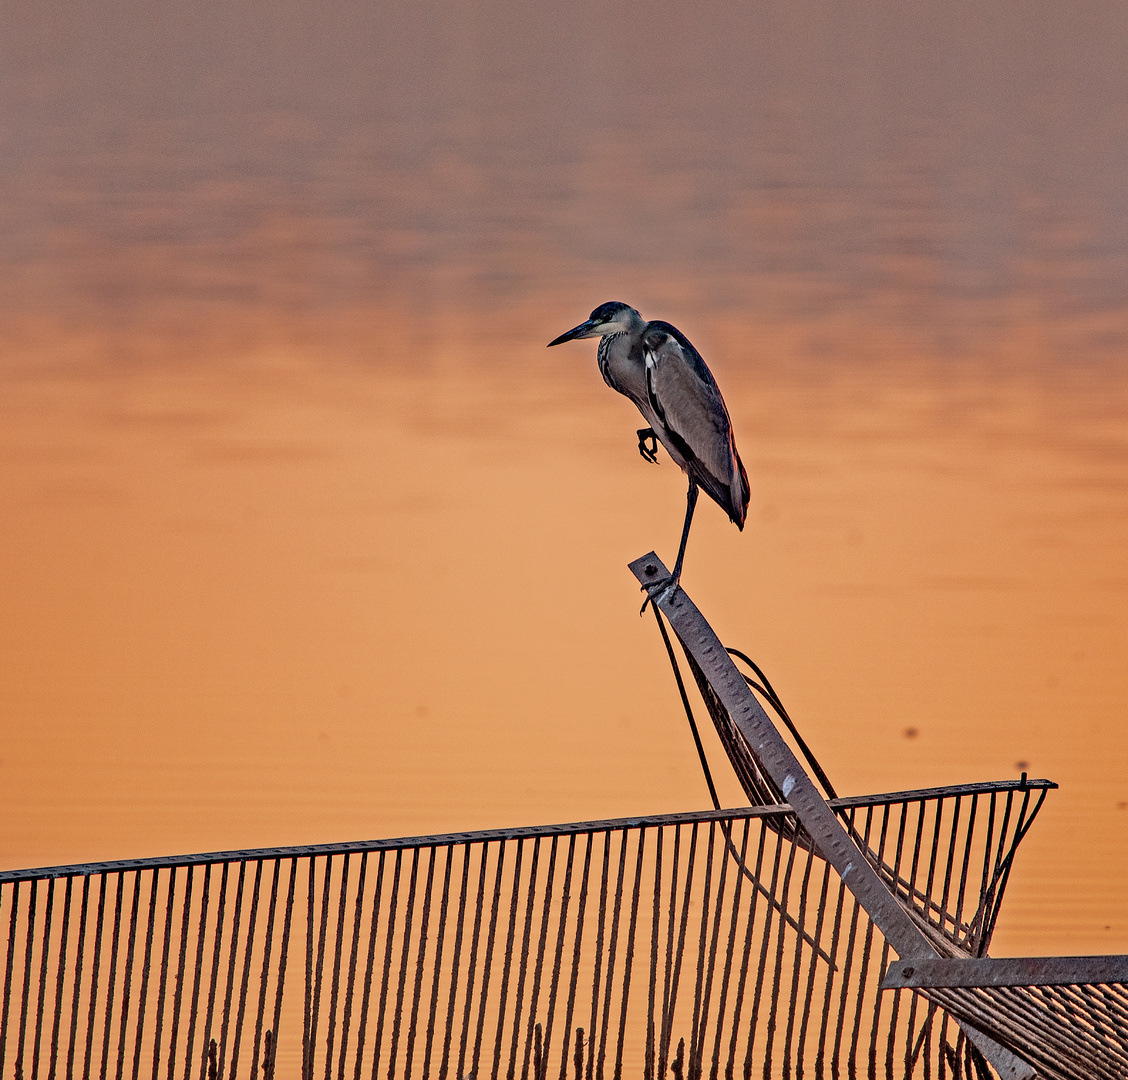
{"x": 657, "y": 590}
{"x": 648, "y": 444}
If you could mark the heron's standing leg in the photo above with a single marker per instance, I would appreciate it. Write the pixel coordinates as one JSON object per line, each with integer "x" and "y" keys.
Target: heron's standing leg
{"x": 648, "y": 444}
{"x": 691, "y": 502}
{"x": 659, "y": 587}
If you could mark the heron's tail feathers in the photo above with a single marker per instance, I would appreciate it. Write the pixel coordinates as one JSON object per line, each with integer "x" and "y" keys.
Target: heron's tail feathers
{"x": 740, "y": 494}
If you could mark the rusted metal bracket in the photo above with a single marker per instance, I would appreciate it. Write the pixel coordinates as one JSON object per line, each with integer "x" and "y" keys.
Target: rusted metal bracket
{"x": 820, "y": 821}
{"x": 1007, "y": 971}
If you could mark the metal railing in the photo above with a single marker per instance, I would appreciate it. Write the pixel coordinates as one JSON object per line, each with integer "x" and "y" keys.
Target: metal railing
{"x": 712, "y": 943}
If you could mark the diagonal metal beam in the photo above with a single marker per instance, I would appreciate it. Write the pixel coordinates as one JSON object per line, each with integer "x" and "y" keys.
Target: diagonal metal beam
{"x": 780, "y": 763}
{"x": 820, "y": 821}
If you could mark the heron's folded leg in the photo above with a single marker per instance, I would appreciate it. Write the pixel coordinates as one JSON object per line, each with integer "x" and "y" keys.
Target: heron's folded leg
{"x": 650, "y": 452}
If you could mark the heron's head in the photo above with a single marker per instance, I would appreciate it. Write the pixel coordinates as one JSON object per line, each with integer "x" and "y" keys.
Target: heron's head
{"x": 609, "y": 318}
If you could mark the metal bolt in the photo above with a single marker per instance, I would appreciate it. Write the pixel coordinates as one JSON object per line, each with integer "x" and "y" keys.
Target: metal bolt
{"x": 909, "y": 972}
{"x": 651, "y": 569}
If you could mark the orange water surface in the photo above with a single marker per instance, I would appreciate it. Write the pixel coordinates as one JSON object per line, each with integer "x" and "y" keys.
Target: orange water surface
{"x": 308, "y": 538}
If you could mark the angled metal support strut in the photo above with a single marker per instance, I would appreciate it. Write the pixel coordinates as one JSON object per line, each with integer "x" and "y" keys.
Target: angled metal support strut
{"x": 833, "y": 841}
{"x": 818, "y": 818}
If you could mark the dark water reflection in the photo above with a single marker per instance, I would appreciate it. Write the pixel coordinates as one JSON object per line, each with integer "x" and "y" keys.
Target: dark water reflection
{"x": 954, "y": 172}
{"x": 296, "y": 499}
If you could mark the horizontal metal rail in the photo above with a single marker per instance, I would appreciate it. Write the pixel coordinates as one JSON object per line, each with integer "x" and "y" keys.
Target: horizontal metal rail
{"x": 574, "y": 828}
{"x": 1008, "y": 971}
{"x": 506, "y": 951}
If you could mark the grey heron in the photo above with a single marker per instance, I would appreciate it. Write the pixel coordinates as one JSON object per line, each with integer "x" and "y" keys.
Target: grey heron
{"x": 654, "y": 364}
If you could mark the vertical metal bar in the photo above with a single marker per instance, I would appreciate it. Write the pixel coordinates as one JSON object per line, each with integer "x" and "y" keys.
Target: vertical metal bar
{"x": 472, "y": 965}
{"x": 915, "y": 866}
{"x": 945, "y": 891}
{"x": 8, "y": 972}
{"x": 162, "y": 986}
{"x": 407, "y": 921}
{"x": 178, "y": 995}
{"x": 190, "y": 1040}
{"x": 774, "y": 905}
{"x": 393, "y": 900}
{"x": 777, "y": 963}
{"x": 883, "y": 838}
{"x": 600, "y": 928}
{"x": 338, "y": 945}
{"x": 577, "y": 945}
{"x": 676, "y": 974}
{"x": 146, "y": 967}
{"x": 523, "y": 964}
{"x": 29, "y": 950}
{"x": 244, "y": 982}
{"x": 47, "y": 912}
{"x": 488, "y": 959}
{"x": 283, "y": 954}
{"x": 978, "y": 920}
{"x": 655, "y": 930}
{"x": 867, "y": 946}
{"x": 843, "y": 999}
{"x": 930, "y": 881}
{"x": 612, "y": 947}
{"x": 111, "y": 981}
{"x": 437, "y": 965}
{"x": 60, "y": 979}
{"x": 628, "y": 956}
{"x": 554, "y": 982}
{"x": 127, "y": 987}
{"x": 264, "y": 976}
{"x": 702, "y": 949}
{"x": 746, "y": 951}
{"x": 514, "y": 894}
{"x": 309, "y": 1055}
{"x": 964, "y": 869}
{"x": 217, "y": 952}
{"x": 420, "y": 961}
{"x": 882, "y": 965}
{"x": 542, "y": 942}
{"x": 307, "y": 1012}
{"x": 369, "y": 966}
{"x": 1002, "y": 866}
{"x": 697, "y": 1044}
{"x": 812, "y": 968}
{"x": 667, "y": 971}
{"x": 455, "y": 960}
{"x": 76, "y": 990}
{"x": 232, "y": 963}
{"x": 896, "y": 872}
{"x": 797, "y": 963}
{"x": 354, "y": 951}
{"x": 828, "y": 993}
{"x": 730, "y": 945}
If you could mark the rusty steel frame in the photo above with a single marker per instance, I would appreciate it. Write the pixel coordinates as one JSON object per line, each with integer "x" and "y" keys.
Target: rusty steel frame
{"x": 474, "y": 952}
{"x": 926, "y": 962}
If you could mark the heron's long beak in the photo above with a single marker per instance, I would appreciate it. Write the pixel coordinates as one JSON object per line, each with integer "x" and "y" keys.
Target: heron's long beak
{"x": 585, "y": 329}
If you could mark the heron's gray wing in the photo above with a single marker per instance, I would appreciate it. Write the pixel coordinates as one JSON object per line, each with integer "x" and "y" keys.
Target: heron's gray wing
{"x": 686, "y": 399}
